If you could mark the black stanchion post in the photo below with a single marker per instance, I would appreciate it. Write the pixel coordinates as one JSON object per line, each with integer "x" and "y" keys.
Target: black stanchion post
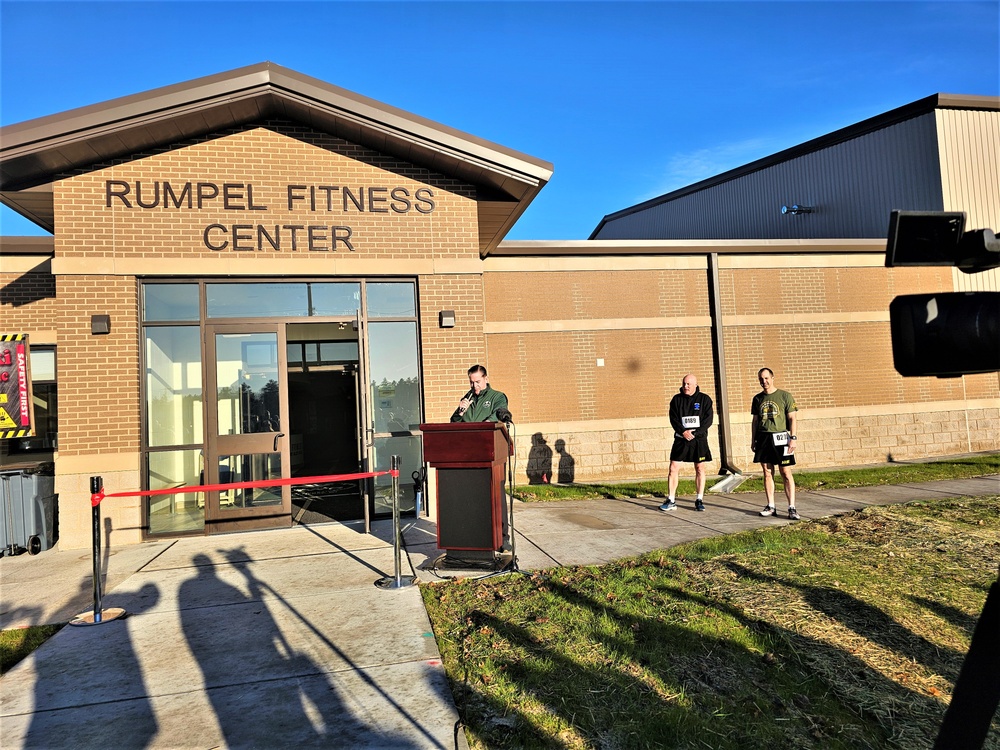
{"x": 399, "y": 580}
{"x": 96, "y": 486}
{"x": 97, "y": 615}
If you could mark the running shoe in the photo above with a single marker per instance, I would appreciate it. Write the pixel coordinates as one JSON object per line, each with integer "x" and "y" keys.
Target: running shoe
{"x": 669, "y": 505}
{"x": 699, "y": 505}
{"x": 793, "y": 514}
{"x": 769, "y": 510}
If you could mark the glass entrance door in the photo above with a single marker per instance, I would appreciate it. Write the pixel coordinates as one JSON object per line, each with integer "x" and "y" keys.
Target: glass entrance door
{"x": 247, "y": 418}
{"x": 326, "y": 418}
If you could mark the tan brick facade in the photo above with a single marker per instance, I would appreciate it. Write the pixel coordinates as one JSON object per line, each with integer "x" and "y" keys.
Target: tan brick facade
{"x": 820, "y": 323}
{"x": 93, "y": 226}
{"x": 589, "y": 346}
{"x": 103, "y": 247}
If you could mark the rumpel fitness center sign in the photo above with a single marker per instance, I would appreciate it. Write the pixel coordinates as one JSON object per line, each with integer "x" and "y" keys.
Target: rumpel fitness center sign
{"x": 253, "y": 236}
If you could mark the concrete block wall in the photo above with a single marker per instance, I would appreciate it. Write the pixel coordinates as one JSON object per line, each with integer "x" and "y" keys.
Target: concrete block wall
{"x": 603, "y": 452}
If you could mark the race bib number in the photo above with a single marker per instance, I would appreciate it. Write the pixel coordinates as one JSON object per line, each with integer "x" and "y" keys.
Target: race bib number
{"x": 691, "y": 422}
{"x": 780, "y": 438}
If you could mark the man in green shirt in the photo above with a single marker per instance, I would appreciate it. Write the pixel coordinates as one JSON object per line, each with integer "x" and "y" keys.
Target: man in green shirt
{"x": 482, "y": 402}
{"x": 485, "y": 404}
{"x": 773, "y": 439}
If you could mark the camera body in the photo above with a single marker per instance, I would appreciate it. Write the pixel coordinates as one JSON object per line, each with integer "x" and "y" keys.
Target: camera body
{"x": 950, "y": 333}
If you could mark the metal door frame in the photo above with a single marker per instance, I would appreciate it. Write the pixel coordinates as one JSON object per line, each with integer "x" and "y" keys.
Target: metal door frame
{"x": 255, "y": 443}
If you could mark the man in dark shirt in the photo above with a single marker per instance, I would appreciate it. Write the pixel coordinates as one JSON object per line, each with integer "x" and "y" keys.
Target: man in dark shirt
{"x": 691, "y": 415}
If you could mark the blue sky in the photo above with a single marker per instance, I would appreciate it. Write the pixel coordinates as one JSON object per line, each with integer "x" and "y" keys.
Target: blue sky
{"x": 627, "y": 100}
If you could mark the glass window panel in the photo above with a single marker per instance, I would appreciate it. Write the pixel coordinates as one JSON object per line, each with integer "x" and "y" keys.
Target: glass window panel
{"x": 247, "y": 380}
{"x": 391, "y": 299}
{"x": 43, "y": 399}
{"x": 255, "y": 467}
{"x": 336, "y": 299}
{"x": 170, "y": 302}
{"x": 312, "y": 352}
{"x": 408, "y": 450}
{"x": 338, "y": 351}
{"x": 171, "y": 514}
{"x": 395, "y": 384}
{"x": 43, "y": 365}
{"x": 174, "y": 401}
{"x": 282, "y": 300}
{"x": 293, "y": 352}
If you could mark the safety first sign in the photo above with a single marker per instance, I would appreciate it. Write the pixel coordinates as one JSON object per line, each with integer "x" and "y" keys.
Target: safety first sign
{"x": 16, "y": 413}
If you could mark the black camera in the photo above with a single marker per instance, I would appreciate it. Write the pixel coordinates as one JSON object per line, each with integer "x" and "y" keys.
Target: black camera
{"x": 947, "y": 334}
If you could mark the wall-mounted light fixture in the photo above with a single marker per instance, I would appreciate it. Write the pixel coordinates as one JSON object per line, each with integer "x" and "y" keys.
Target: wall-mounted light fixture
{"x": 796, "y": 209}
{"x": 446, "y": 318}
{"x": 100, "y": 324}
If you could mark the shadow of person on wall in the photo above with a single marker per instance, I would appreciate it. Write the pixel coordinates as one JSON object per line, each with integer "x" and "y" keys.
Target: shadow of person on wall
{"x": 539, "y": 468}
{"x": 567, "y": 464}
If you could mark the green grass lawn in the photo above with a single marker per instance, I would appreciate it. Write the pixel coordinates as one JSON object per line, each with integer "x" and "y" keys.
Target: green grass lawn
{"x": 846, "y": 632}
{"x": 17, "y": 643}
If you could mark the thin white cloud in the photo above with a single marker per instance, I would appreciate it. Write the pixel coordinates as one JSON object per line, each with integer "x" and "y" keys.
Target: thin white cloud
{"x": 687, "y": 167}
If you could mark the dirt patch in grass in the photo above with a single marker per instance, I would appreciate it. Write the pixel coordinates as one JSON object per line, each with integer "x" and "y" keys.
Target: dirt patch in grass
{"x": 843, "y": 632}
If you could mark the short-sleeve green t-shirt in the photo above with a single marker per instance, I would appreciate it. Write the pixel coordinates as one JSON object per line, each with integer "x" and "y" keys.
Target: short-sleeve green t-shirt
{"x": 772, "y": 410}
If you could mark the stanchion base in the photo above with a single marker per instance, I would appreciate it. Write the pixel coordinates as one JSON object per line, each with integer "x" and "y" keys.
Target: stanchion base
{"x": 107, "y": 615}
{"x": 392, "y": 583}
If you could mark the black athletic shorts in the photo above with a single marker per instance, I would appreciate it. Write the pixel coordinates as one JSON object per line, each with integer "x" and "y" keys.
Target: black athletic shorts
{"x": 690, "y": 451}
{"x": 769, "y": 453}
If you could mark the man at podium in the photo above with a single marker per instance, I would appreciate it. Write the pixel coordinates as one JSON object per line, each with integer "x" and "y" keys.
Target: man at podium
{"x": 485, "y": 404}
{"x": 481, "y": 403}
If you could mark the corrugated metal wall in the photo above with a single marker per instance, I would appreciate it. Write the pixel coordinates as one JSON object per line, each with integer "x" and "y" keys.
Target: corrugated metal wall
{"x": 969, "y": 142}
{"x": 853, "y": 187}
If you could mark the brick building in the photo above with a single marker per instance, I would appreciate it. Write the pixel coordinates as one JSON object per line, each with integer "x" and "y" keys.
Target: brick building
{"x": 277, "y": 261}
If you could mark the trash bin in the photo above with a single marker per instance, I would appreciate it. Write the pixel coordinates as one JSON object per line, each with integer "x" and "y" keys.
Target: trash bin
{"x": 28, "y": 513}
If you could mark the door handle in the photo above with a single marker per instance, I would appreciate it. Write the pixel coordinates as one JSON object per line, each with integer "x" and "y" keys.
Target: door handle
{"x": 279, "y": 435}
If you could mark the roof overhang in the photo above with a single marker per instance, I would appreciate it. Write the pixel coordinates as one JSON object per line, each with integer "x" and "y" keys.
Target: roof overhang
{"x": 35, "y": 153}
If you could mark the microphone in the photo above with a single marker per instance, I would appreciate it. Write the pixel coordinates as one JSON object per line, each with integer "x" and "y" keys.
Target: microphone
{"x": 505, "y": 416}
{"x": 470, "y": 394}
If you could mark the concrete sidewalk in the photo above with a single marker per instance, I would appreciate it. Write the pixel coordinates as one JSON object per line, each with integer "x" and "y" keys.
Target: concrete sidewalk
{"x": 281, "y": 639}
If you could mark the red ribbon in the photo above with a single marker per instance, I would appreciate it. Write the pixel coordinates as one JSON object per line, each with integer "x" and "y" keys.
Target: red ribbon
{"x": 95, "y": 498}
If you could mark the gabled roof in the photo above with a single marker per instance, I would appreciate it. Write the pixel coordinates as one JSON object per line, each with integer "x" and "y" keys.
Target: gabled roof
{"x": 35, "y": 153}
{"x": 906, "y": 112}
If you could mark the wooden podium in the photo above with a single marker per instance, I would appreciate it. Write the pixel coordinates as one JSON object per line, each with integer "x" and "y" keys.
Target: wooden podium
{"x": 469, "y": 458}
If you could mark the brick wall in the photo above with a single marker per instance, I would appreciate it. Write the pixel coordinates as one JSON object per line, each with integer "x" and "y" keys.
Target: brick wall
{"x": 821, "y": 324}
{"x": 102, "y": 247}
{"x": 91, "y": 225}
{"x": 98, "y": 376}
{"x": 28, "y": 298}
{"x": 449, "y": 352}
